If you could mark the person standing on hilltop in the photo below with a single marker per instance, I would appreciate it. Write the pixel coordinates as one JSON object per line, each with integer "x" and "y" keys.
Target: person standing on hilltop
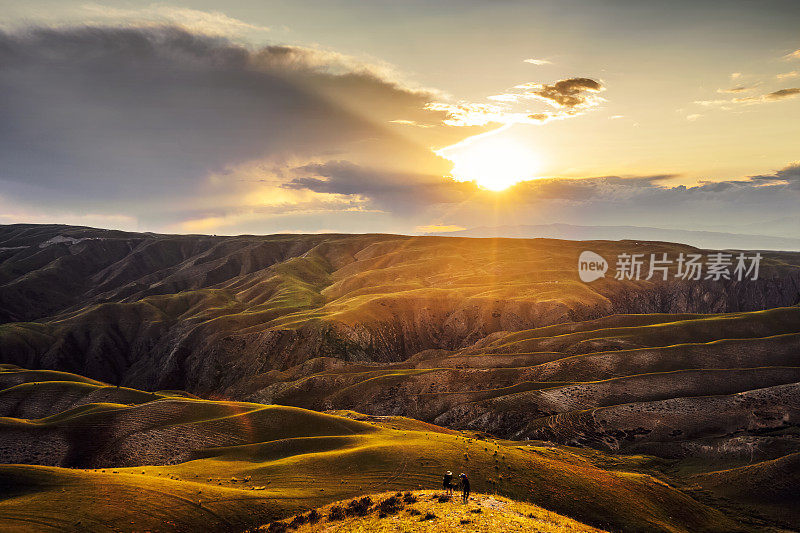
{"x": 464, "y": 487}
{"x": 447, "y": 482}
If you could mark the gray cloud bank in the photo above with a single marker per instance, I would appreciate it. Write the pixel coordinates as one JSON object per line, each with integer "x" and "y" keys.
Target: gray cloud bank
{"x": 756, "y": 204}
{"x": 398, "y": 192}
{"x": 120, "y": 110}
{"x": 105, "y": 114}
{"x": 766, "y": 203}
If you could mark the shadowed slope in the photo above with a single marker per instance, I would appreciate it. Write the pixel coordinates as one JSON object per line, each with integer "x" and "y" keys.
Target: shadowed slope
{"x": 770, "y": 488}
{"x": 650, "y": 394}
{"x": 205, "y": 313}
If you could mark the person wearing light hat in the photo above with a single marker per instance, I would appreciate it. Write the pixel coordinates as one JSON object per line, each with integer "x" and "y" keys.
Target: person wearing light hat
{"x": 447, "y": 482}
{"x": 464, "y": 487}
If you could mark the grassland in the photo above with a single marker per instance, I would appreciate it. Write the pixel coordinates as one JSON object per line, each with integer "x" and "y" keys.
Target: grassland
{"x": 224, "y": 382}
{"x": 177, "y": 462}
{"x": 428, "y": 512}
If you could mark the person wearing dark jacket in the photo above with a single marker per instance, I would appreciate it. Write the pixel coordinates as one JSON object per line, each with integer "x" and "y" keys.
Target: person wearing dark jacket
{"x": 447, "y": 482}
{"x": 464, "y": 487}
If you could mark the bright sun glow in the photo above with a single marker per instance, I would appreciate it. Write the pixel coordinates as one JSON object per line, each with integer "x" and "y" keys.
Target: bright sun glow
{"x": 492, "y": 161}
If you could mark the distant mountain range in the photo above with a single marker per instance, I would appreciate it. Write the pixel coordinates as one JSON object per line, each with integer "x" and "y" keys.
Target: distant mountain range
{"x": 700, "y": 239}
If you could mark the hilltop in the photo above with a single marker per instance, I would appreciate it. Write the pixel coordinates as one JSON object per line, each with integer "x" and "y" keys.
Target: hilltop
{"x": 428, "y": 511}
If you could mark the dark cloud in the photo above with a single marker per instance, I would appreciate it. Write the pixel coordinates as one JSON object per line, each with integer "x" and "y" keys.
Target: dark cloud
{"x": 788, "y": 177}
{"x": 391, "y": 191}
{"x": 653, "y": 196}
{"x": 133, "y": 121}
{"x": 585, "y": 189}
{"x": 758, "y": 204}
{"x": 603, "y": 197}
{"x": 782, "y": 93}
{"x": 94, "y": 115}
{"x": 569, "y": 93}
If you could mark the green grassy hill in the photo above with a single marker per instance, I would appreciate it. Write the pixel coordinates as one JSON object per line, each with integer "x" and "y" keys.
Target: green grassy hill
{"x": 180, "y": 462}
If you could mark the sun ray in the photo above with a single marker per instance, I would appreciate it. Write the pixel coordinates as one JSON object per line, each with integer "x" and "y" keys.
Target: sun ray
{"x": 493, "y": 161}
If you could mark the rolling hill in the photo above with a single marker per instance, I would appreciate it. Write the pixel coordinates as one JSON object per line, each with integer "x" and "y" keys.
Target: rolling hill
{"x": 201, "y": 313}
{"x": 168, "y": 369}
{"x": 182, "y": 463}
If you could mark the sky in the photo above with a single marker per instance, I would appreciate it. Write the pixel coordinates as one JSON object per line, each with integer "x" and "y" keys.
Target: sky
{"x": 404, "y": 117}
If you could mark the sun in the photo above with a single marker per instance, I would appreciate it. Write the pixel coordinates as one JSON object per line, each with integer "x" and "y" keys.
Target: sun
{"x": 493, "y": 162}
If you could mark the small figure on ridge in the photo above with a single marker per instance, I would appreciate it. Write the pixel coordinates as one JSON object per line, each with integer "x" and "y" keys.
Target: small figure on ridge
{"x": 447, "y": 482}
{"x": 464, "y": 487}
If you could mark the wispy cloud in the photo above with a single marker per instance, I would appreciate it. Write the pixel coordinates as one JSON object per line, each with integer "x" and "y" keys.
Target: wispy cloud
{"x": 782, "y": 94}
{"x": 207, "y": 22}
{"x": 538, "y": 61}
{"x": 404, "y": 122}
{"x": 571, "y": 97}
{"x": 472, "y": 114}
{"x": 793, "y": 55}
{"x": 505, "y": 97}
{"x": 13, "y": 214}
{"x": 734, "y": 90}
{"x": 439, "y": 228}
{"x": 774, "y": 96}
{"x": 654, "y": 201}
{"x": 649, "y": 200}
{"x": 788, "y": 75}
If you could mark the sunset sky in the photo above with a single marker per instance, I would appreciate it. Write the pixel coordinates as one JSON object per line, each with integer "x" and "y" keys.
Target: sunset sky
{"x": 406, "y": 117}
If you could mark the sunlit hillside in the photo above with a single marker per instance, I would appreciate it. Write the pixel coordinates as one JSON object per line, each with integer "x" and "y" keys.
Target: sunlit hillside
{"x": 183, "y": 462}
{"x": 205, "y": 313}
{"x": 428, "y": 511}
